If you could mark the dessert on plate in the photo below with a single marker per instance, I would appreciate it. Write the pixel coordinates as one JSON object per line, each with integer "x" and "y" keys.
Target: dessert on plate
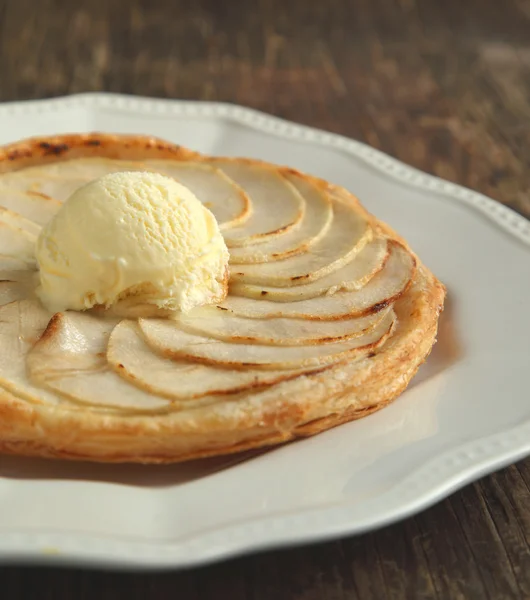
{"x": 158, "y": 305}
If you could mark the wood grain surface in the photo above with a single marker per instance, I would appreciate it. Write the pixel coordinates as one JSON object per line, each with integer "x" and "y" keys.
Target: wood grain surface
{"x": 444, "y": 85}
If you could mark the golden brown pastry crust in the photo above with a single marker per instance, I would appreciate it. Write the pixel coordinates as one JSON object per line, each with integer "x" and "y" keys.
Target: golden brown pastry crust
{"x": 43, "y": 150}
{"x": 301, "y": 407}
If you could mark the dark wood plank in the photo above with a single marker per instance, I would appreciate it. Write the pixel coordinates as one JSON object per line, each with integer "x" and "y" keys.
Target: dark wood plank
{"x": 444, "y": 86}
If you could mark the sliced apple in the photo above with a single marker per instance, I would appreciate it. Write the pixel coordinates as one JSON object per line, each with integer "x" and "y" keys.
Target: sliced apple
{"x": 12, "y": 218}
{"x": 35, "y": 206}
{"x": 38, "y": 181}
{"x": 21, "y": 324}
{"x": 165, "y": 337}
{"x": 8, "y": 264}
{"x": 352, "y": 276}
{"x": 313, "y": 285}
{"x": 347, "y": 235}
{"x": 57, "y": 189}
{"x": 131, "y": 357}
{"x": 84, "y": 168}
{"x": 317, "y": 219}
{"x": 70, "y": 359}
{"x": 227, "y": 201}
{"x": 277, "y": 207}
{"x": 11, "y": 291}
{"x": 17, "y": 243}
{"x": 59, "y": 180}
{"x": 210, "y": 322}
{"x": 379, "y": 292}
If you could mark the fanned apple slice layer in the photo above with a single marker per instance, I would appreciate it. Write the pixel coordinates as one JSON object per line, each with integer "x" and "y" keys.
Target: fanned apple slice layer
{"x": 17, "y": 243}
{"x": 227, "y": 201}
{"x": 59, "y": 180}
{"x": 379, "y": 292}
{"x": 86, "y": 168}
{"x": 31, "y": 205}
{"x": 326, "y": 311}
{"x": 10, "y": 264}
{"x": 167, "y": 338}
{"x": 277, "y": 208}
{"x": 131, "y": 357}
{"x": 347, "y": 235}
{"x": 352, "y": 276}
{"x": 43, "y": 182}
{"x": 314, "y": 225}
{"x": 210, "y": 322}
{"x": 11, "y": 291}
{"x": 21, "y": 324}
{"x": 15, "y": 220}
{"x": 70, "y": 360}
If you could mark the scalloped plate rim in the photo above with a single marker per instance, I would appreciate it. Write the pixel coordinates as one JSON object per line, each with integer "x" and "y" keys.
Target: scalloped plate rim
{"x": 450, "y": 470}
{"x": 503, "y": 216}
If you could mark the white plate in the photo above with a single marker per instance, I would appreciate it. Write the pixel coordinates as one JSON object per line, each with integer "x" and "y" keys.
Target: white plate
{"x": 466, "y": 413}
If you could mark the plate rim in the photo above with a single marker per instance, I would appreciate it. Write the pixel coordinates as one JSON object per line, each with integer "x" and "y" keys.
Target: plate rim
{"x": 446, "y": 473}
{"x": 503, "y": 216}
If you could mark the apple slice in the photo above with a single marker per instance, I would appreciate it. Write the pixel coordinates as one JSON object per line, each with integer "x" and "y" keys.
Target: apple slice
{"x": 347, "y": 235}
{"x": 352, "y": 276}
{"x": 187, "y": 384}
{"x": 314, "y": 225}
{"x": 383, "y": 289}
{"x": 33, "y": 205}
{"x": 11, "y": 291}
{"x": 12, "y": 218}
{"x": 167, "y": 338}
{"x": 210, "y": 322}
{"x": 17, "y": 243}
{"x": 277, "y": 208}
{"x": 21, "y": 324}
{"x": 70, "y": 359}
{"x": 227, "y": 201}
{"x": 8, "y": 265}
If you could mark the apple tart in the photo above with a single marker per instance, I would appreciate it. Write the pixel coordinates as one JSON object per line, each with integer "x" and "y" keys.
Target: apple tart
{"x": 328, "y": 317}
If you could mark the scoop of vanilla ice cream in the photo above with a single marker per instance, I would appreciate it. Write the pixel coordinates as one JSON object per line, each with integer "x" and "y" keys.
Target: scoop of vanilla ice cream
{"x": 132, "y": 238}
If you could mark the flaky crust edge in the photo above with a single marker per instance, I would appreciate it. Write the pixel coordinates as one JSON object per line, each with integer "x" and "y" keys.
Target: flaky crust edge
{"x": 324, "y": 401}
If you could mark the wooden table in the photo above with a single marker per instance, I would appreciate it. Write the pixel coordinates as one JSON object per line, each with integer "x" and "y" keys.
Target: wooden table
{"x": 443, "y": 85}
